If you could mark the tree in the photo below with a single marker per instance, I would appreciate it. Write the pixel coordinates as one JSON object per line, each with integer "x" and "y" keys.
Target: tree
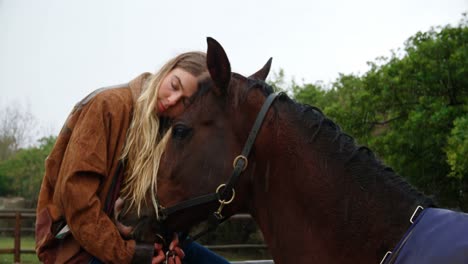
{"x": 423, "y": 93}
{"x": 21, "y": 174}
{"x": 411, "y": 110}
{"x": 17, "y": 126}
{"x": 457, "y": 148}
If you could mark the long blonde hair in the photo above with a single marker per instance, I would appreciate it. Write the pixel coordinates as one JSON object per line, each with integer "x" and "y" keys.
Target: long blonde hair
{"x": 145, "y": 144}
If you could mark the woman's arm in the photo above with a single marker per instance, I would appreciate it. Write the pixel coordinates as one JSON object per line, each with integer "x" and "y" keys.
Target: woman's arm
{"x": 84, "y": 168}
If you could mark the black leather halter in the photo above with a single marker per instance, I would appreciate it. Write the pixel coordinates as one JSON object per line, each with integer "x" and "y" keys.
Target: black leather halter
{"x": 225, "y": 193}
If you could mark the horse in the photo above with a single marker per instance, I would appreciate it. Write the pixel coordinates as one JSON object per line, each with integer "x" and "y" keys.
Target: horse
{"x": 316, "y": 195}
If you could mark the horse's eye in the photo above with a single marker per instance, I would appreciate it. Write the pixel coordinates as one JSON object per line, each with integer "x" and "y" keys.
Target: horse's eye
{"x": 180, "y": 131}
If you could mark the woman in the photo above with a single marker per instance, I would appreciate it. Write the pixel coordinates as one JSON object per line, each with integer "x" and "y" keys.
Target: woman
{"x": 111, "y": 124}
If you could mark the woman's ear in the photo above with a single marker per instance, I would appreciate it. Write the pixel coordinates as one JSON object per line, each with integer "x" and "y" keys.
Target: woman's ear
{"x": 218, "y": 66}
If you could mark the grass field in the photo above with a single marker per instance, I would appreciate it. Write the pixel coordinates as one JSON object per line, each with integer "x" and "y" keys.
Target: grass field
{"x": 28, "y": 243}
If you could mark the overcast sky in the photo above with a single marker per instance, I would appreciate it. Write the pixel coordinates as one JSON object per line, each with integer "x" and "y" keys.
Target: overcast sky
{"x": 54, "y": 52}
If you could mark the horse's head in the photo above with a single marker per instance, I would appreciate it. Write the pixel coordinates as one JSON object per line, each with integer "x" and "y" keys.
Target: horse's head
{"x": 204, "y": 142}
{"x": 208, "y": 136}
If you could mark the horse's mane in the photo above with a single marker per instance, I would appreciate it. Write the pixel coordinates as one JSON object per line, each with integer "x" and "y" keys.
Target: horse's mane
{"x": 360, "y": 161}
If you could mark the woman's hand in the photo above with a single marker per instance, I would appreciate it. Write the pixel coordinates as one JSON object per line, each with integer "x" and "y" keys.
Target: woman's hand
{"x": 158, "y": 254}
{"x": 125, "y": 231}
{"x": 160, "y": 257}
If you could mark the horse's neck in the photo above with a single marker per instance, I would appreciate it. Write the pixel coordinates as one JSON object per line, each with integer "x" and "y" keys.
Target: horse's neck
{"x": 306, "y": 210}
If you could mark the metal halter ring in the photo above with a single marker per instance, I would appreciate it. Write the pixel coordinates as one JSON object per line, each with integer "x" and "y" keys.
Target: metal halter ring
{"x": 246, "y": 162}
{"x": 170, "y": 254}
{"x": 224, "y": 201}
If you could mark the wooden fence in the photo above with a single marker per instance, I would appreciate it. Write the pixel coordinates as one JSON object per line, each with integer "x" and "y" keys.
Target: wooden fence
{"x": 20, "y": 214}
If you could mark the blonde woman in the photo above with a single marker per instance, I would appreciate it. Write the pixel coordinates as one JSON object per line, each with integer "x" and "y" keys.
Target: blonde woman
{"x": 111, "y": 124}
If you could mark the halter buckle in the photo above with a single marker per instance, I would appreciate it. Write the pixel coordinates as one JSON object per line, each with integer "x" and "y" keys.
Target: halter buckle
{"x": 246, "y": 161}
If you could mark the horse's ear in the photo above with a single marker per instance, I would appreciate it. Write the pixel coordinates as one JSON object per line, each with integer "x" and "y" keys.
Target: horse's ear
{"x": 263, "y": 72}
{"x": 218, "y": 65}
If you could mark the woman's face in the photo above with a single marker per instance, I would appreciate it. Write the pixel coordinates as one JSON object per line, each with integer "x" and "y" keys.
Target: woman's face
{"x": 176, "y": 86}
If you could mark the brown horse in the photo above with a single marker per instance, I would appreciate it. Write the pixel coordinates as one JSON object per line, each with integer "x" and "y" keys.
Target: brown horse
{"x": 316, "y": 195}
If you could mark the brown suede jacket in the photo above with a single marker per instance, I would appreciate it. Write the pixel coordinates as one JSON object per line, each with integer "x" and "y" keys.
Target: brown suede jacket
{"x": 79, "y": 172}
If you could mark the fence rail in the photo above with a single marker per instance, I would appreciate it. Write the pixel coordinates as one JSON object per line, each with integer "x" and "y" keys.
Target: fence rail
{"x": 21, "y": 214}
{"x": 18, "y": 215}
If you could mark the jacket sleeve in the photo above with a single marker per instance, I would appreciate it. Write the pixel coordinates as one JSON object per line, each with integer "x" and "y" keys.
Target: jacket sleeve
{"x": 84, "y": 168}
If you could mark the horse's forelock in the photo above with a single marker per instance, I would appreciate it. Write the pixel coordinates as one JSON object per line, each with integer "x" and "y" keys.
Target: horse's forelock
{"x": 205, "y": 85}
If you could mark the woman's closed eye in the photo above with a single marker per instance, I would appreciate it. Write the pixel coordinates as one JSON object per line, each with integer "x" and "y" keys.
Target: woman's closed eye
{"x": 175, "y": 84}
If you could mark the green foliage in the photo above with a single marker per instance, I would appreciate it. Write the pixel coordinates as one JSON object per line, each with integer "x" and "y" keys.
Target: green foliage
{"x": 421, "y": 94}
{"x": 457, "y": 149}
{"x": 411, "y": 110}
{"x": 21, "y": 174}
{"x": 310, "y": 93}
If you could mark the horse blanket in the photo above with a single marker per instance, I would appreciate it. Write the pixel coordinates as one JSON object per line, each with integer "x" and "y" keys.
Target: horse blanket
{"x": 437, "y": 236}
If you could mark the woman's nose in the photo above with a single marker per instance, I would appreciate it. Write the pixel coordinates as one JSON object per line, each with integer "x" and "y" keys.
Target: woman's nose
{"x": 173, "y": 99}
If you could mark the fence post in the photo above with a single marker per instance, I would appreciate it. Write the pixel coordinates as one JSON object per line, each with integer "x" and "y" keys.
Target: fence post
{"x": 18, "y": 237}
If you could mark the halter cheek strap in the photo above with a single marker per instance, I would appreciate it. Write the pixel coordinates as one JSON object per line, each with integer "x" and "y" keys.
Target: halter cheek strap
{"x": 241, "y": 162}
